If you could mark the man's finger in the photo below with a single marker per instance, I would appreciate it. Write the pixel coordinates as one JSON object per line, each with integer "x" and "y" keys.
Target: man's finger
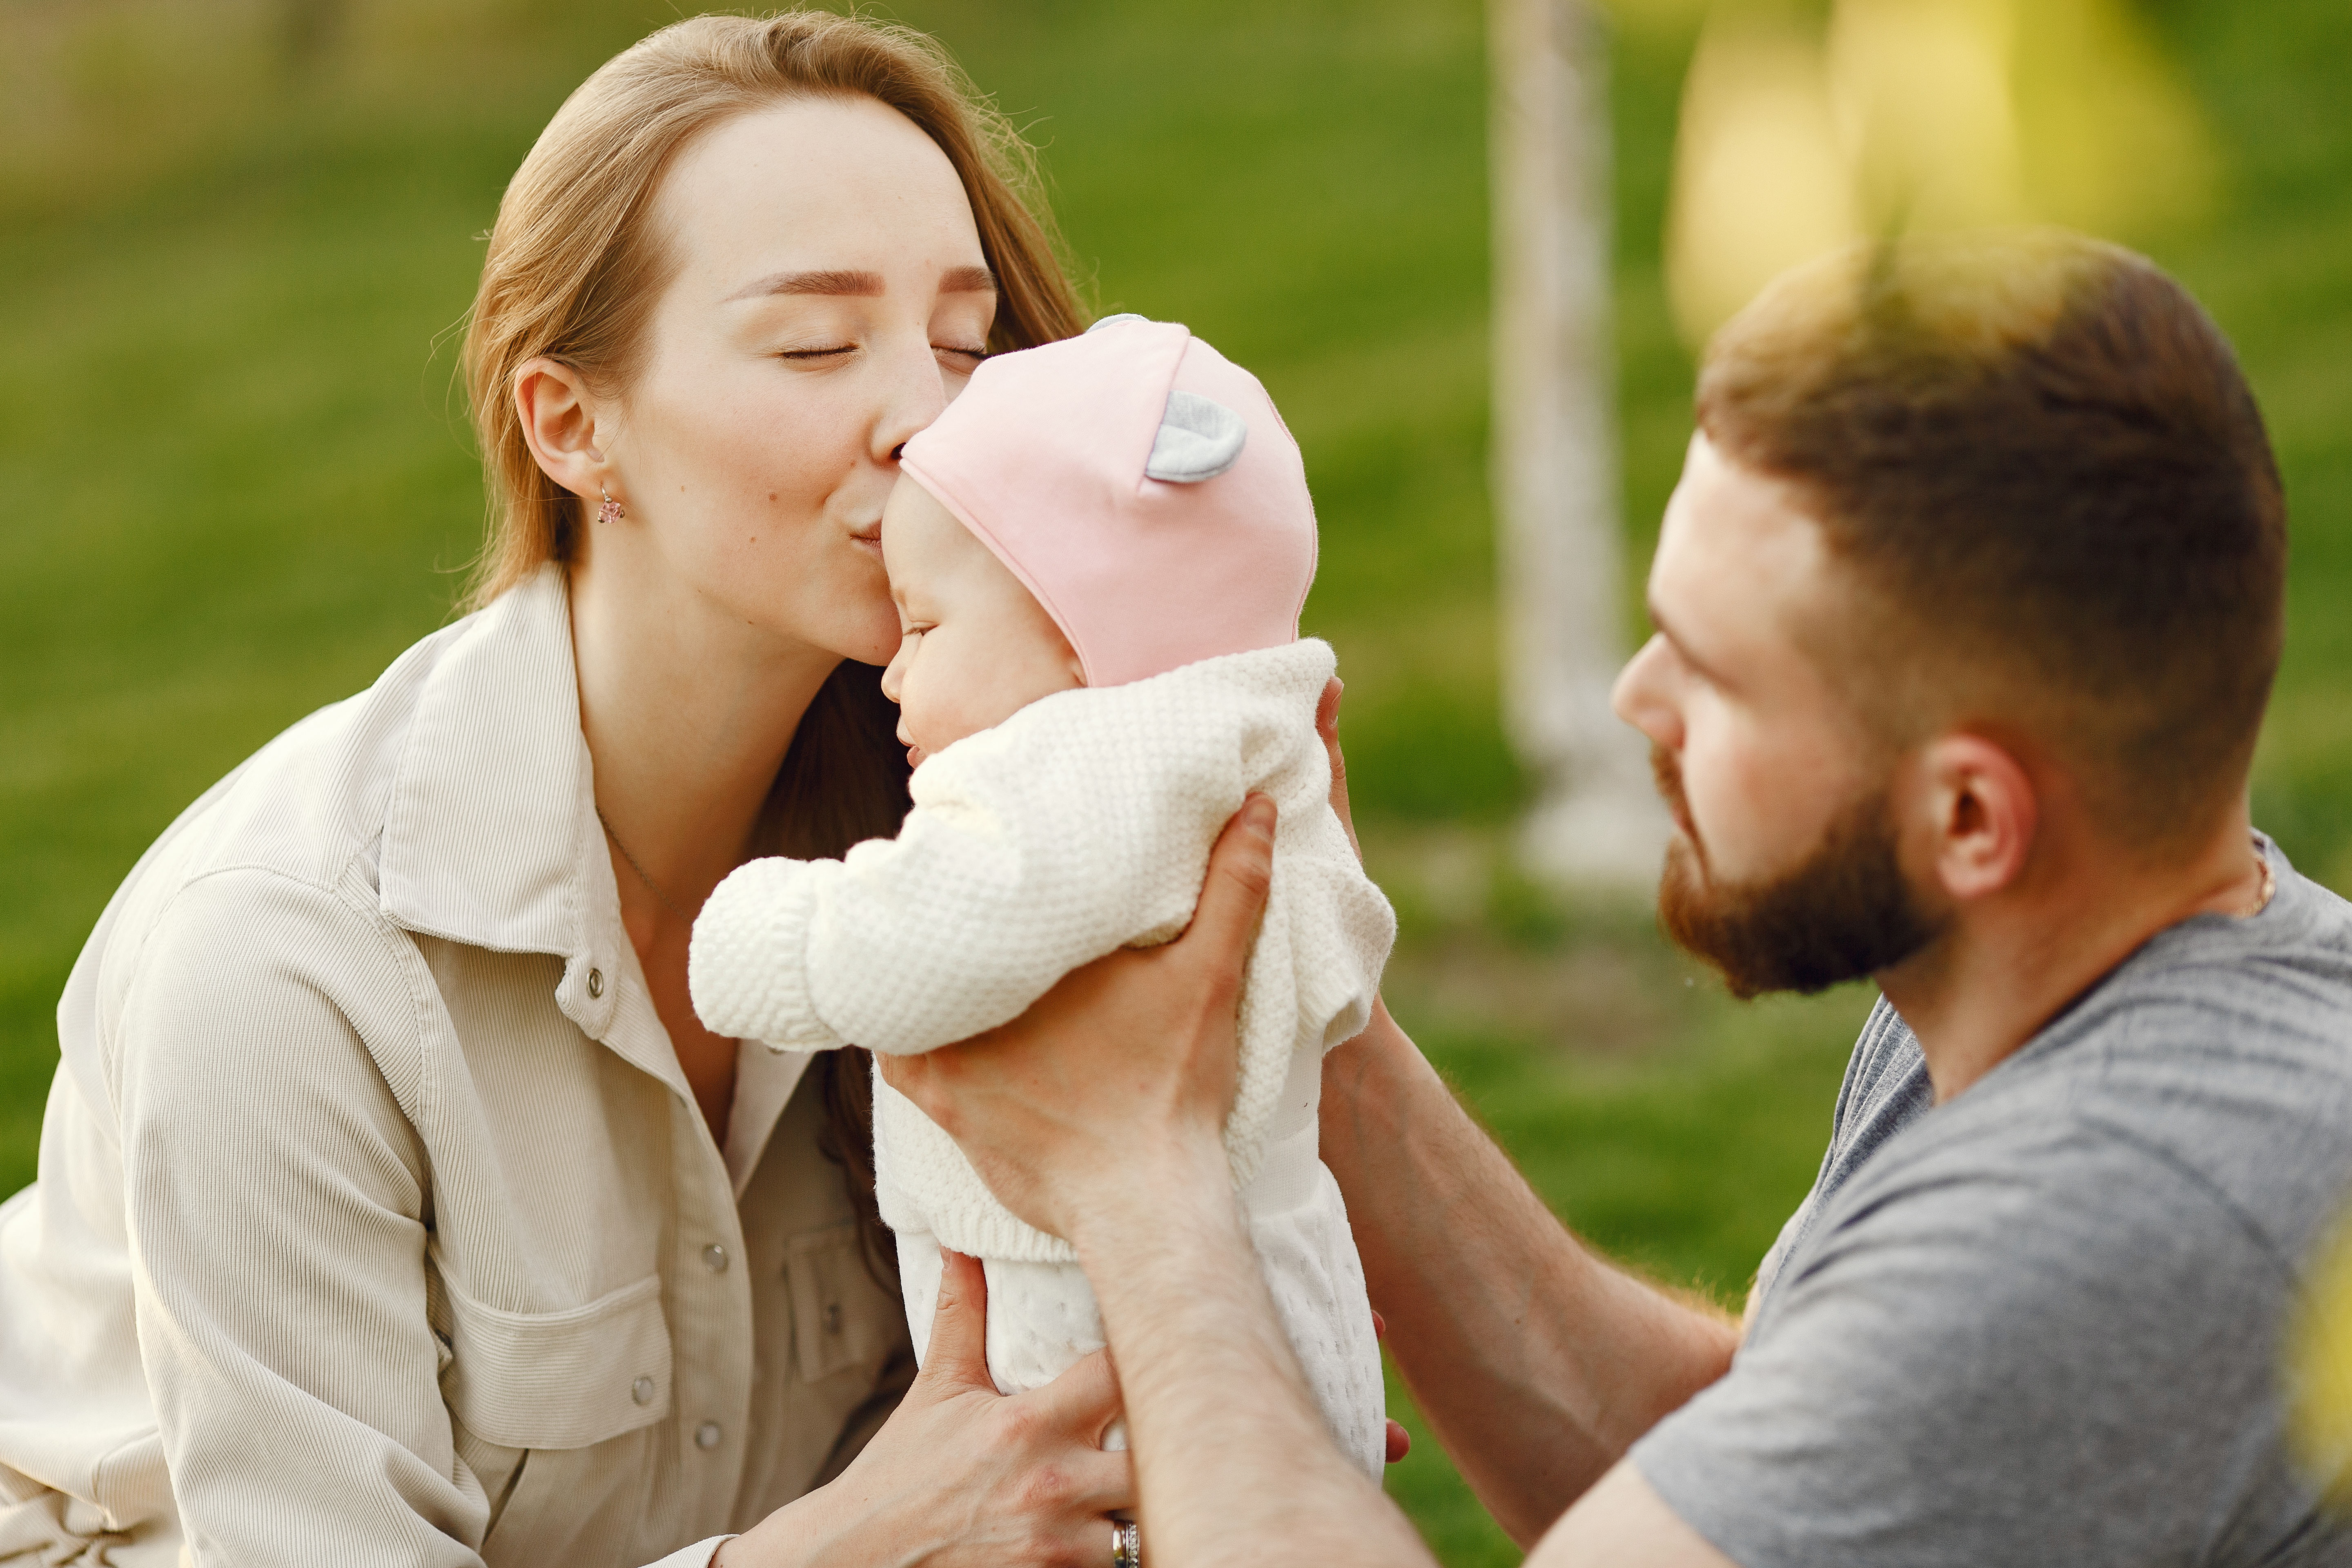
{"x": 1326, "y": 725}
{"x": 917, "y": 1077}
{"x": 1241, "y": 870}
{"x": 958, "y": 1353}
{"x": 1327, "y": 710}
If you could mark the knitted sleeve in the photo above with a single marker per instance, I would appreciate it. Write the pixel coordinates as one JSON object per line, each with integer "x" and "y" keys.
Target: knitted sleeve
{"x": 1079, "y": 825}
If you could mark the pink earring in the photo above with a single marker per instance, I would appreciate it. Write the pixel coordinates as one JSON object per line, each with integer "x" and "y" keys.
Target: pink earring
{"x": 612, "y": 510}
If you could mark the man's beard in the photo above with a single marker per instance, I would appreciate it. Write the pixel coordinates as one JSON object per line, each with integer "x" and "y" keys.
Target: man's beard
{"x": 1845, "y": 913}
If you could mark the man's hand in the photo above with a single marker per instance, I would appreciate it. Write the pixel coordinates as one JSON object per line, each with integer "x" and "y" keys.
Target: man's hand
{"x": 1327, "y": 724}
{"x": 1099, "y": 1114}
{"x": 1121, "y": 1075}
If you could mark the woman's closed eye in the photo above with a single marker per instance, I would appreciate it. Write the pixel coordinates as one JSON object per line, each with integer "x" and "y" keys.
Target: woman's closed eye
{"x": 967, "y": 359}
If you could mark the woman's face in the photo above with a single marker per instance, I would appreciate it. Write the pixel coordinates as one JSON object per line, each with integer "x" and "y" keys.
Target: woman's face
{"x": 830, "y": 298}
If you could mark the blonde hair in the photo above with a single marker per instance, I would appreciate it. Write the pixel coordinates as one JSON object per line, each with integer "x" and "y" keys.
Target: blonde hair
{"x": 575, "y": 262}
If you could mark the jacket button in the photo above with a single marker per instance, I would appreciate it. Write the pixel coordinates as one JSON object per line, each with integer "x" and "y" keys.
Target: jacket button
{"x": 642, "y": 1391}
{"x": 706, "y": 1435}
{"x": 595, "y": 984}
{"x": 714, "y": 1258}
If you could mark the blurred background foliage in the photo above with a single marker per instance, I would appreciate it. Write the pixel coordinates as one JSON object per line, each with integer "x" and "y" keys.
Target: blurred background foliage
{"x": 236, "y": 236}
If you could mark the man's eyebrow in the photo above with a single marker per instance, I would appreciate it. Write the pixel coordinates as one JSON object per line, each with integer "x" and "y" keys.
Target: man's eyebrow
{"x": 827, "y": 282}
{"x": 838, "y": 281}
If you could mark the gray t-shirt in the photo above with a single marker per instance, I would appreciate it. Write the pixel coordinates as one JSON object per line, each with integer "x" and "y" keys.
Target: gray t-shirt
{"x": 2042, "y": 1323}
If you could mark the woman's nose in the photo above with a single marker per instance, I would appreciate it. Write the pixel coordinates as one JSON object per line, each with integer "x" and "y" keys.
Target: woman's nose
{"x": 915, "y": 393}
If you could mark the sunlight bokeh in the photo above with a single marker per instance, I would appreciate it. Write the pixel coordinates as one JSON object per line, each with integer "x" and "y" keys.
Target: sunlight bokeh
{"x": 2319, "y": 1371}
{"x": 1898, "y": 115}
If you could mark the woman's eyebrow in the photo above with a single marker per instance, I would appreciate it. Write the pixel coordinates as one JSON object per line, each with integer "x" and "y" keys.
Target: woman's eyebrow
{"x": 838, "y": 281}
{"x": 833, "y": 282}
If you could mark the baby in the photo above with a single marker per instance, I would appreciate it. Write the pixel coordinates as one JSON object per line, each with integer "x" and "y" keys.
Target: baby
{"x": 1099, "y": 553}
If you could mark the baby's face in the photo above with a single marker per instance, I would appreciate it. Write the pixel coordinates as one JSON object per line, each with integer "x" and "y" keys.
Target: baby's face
{"x": 975, "y": 647}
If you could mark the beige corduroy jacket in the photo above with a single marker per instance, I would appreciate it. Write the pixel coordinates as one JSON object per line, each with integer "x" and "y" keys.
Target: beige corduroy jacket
{"x": 376, "y": 1222}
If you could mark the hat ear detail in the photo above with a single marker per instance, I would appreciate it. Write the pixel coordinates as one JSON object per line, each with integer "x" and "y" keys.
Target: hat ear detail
{"x": 1114, "y": 320}
{"x": 1198, "y": 439}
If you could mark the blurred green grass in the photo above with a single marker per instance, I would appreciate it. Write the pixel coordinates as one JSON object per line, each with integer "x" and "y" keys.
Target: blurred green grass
{"x": 236, "y": 480}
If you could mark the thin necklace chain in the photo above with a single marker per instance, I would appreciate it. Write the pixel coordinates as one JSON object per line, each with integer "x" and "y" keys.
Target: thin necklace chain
{"x": 638, "y": 867}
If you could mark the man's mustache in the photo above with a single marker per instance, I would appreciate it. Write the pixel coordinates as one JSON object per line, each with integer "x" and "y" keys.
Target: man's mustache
{"x": 1667, "y": 769}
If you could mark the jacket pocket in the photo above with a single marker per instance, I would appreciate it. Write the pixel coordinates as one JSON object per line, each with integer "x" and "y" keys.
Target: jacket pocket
{"x": 840, "y": 1318}
{"x": 559, "y": 1380}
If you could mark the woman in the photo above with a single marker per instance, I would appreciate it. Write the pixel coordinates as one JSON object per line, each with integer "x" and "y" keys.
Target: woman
{"x": 393, "y": 1206}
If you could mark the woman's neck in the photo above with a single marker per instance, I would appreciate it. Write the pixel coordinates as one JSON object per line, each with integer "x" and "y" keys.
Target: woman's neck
{"x": 687, "y": 713}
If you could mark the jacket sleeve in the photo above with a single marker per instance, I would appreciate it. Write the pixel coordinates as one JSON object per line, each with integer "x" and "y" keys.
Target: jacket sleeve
{"x": 274, "y": 1195}
{"x": 1031, "y": 849}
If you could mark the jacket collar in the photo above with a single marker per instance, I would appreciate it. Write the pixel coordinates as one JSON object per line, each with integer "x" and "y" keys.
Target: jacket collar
{"x": 490, "y": 835}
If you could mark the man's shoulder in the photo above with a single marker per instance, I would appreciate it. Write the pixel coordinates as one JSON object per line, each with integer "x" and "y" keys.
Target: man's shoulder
{"x": 2218, "y": 1059}
{"x": 2076, "y": 1273}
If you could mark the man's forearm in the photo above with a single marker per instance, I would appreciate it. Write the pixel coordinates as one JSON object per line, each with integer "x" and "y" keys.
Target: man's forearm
{"x": 1538, "y": 1363}
{"x": 1234, "y": 1462}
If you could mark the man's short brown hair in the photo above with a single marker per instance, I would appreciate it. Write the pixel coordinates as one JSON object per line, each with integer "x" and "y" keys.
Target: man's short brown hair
{"x": 2038, "y": 461}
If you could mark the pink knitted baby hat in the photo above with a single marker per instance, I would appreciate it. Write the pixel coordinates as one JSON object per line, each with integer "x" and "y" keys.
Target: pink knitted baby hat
{"x": 1143, "y": 488}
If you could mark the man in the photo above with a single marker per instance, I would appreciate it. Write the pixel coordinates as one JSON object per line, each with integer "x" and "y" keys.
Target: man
{"x": 1968, "y": 607}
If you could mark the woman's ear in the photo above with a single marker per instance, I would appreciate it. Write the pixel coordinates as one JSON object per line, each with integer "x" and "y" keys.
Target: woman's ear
{"x": 559, "y": 421}
{"x": 1984, "y": 813}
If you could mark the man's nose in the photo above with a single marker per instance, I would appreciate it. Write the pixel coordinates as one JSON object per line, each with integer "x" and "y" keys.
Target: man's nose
{"x": 1639, "y": 695}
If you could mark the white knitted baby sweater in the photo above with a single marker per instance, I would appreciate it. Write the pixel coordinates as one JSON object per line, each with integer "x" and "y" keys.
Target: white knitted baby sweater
{"x": 1078, "y": 826}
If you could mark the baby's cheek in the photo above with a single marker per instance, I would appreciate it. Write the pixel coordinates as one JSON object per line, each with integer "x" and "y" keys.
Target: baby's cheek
{"x": 936, "y": 704}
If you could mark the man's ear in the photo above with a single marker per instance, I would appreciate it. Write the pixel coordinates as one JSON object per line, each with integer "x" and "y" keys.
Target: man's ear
{"x": 559, "y": 421}
{"x": 1983, "y": 813}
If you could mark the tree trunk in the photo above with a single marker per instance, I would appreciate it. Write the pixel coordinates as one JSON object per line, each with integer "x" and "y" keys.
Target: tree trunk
{"x": 1597, "y": 822}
